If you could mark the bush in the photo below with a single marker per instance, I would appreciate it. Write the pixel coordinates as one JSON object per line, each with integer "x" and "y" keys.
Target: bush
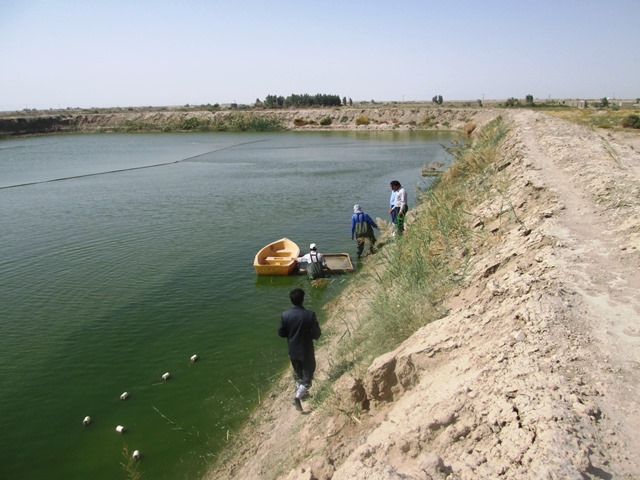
{"x": 192, "y": 123}
{"x": 325, "y": 121}
{"x": 632, "y": 121}
{"x": 363, "y": 120}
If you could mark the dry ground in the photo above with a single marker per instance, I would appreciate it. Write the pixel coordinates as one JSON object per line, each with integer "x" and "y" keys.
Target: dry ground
{"x": 534, "y": 372}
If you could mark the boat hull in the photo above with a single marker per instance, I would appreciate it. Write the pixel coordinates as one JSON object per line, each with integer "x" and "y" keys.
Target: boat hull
{"x": 277, "y": 258}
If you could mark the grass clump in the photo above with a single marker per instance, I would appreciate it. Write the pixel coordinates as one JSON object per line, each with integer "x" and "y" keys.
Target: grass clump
{"x": 422, "y": 266}
{"x": 631, "y": 121}
{"x": 602, "y": 118}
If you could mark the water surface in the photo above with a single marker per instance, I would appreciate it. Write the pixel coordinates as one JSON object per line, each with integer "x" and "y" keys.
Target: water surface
{"x": 123, "y": 255}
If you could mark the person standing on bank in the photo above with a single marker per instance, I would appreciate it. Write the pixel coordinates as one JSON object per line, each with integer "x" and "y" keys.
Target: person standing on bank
{"x": 316, "y": 263}
{"x": 392, "y": 204}
{"x": 362, "y": 226}
{"x": 400, "y": 204}
{"x": 300, "y": 327}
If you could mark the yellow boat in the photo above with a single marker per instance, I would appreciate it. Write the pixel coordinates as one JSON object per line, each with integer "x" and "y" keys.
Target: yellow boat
{"x": 277, "y": 258}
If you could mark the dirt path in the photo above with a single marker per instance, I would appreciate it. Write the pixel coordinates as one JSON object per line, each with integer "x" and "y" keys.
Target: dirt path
{"x": 598, "y": 182}
{"x": 534, "y": 372}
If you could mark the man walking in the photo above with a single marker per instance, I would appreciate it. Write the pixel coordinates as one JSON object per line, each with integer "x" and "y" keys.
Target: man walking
{"x": 300, "y": 327}
{"x": 362, "y": 226}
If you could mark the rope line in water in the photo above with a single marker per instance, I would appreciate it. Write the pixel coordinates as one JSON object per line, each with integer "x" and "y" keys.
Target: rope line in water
{"x": 130, "y": 168}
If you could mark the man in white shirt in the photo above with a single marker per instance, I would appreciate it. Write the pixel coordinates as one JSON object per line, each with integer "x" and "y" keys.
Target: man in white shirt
{"x": 400, "y": 204}
{"x": 316, "y": 263}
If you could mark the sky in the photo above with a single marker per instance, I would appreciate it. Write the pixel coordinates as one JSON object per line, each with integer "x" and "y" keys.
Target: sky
{"x": 126, "y": 53}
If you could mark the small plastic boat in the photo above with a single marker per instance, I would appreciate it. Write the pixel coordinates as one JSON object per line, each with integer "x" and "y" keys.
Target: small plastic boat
{"x": 277, "y": 258}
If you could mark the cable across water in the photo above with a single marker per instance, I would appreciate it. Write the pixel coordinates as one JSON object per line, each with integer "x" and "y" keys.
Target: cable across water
{"x": 131, "y": 168}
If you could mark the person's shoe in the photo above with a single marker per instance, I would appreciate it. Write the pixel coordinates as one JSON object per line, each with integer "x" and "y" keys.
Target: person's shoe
{"x": 298, "y": 404}
{"x": 302, "y": 391}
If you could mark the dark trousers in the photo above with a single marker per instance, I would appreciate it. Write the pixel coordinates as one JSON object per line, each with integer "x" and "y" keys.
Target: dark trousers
{"x": 398, "y": 217}
{"x": 303, "y": 371}
{"x": 361, "y": 240}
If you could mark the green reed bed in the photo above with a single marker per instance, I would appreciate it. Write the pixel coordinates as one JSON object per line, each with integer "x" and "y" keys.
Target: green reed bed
{"x": 235, "y": 122}
{"x": 414, "y": 273}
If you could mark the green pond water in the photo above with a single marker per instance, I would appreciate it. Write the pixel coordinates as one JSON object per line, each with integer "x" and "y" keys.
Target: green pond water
{"x": 112, "y": 273}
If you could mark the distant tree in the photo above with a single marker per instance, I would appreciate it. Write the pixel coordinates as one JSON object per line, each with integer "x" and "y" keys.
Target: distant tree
{"x": 437, "y": 99}
{"x": 604, "y": 102}
{"x": 302, "y": 100}
{"x": 350, "y": 102}
{"x": 512, "y": 102}
{"x": 344, "y": 101}
{"x": 529, "y": 99}
{"x": 479, "y": 102}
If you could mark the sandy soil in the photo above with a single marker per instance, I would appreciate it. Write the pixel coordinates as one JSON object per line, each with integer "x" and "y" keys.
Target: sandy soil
{"x": 534, "y": 372}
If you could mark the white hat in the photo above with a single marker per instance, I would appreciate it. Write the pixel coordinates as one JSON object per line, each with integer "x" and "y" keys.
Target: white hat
{"x": 313, "y": 246}
{"x": 356, "y": 209}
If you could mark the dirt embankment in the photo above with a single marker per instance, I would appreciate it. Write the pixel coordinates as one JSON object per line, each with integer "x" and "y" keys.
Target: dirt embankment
{"x": 534, "y": 372}
{"x": 384, "y": 118}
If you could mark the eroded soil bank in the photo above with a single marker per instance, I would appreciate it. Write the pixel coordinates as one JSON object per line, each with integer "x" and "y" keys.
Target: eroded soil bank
{"x": 535, "y": 370}
{"x": 383, "y": 118}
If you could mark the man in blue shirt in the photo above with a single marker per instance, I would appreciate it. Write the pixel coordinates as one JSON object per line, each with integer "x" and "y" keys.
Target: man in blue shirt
{"x": 362, "y": 226}
{"x": 392, "y": 204}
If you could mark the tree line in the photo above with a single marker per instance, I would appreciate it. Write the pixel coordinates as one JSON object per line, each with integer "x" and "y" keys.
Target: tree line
{"x": 304, "y": 100}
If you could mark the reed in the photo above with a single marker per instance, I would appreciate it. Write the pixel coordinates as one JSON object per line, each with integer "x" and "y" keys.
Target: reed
{"x": 416, "y": 271}
{"x": 129, "y": 465}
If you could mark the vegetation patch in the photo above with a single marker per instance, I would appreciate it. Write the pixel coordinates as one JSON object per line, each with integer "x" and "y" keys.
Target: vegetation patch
{"x": 598, "y": 118}
{"x": 632, "y": 121}
{"x": 414, "y": 272}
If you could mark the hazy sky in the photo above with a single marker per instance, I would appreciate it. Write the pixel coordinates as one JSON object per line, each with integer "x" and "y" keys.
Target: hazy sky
{"x": 90, "y": 53}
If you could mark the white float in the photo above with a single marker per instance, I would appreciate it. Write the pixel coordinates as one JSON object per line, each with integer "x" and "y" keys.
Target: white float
{"x": 120, "y": 429}
{"x": 194, "y": 358}
{"x": 136, "y": 455}
{"x": 124, "y": 396}
{"x": 86, "y": 421}
{"x": 166, "y": 376}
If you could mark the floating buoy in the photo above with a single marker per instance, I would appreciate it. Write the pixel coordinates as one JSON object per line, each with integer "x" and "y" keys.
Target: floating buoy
{"x": 86, "y": 421}
{"x": 166, "y": 376}
{"x": 194, "y": 358}
{"x": 136, "y": 455}
{"x": 124, "y": 396}
{"x": 120, "y": 429}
